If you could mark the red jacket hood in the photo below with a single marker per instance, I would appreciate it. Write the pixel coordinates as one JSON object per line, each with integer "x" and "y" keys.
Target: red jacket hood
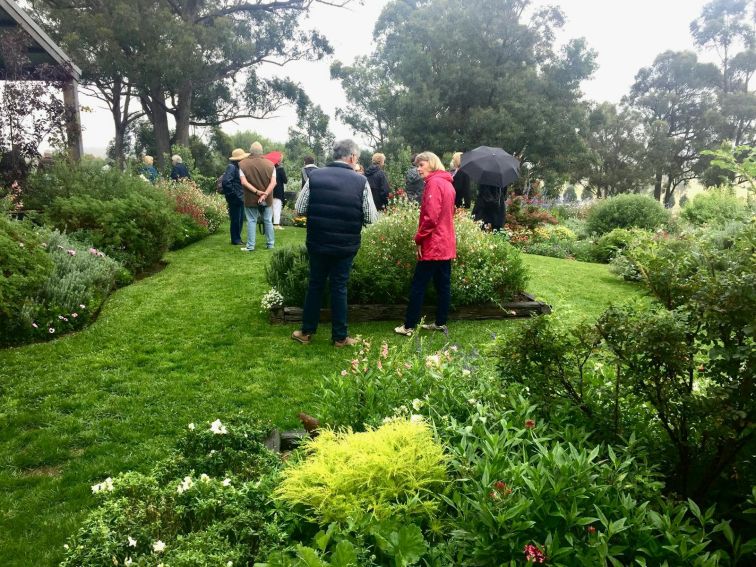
{"x": 440, "y": 174}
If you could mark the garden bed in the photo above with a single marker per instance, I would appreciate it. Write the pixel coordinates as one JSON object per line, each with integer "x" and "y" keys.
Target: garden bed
{"x": 524, "y": 305}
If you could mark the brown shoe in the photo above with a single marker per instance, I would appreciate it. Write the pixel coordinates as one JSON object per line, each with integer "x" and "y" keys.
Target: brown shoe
{"x": 346, "y": 341}
{"x": 300, "y": 337}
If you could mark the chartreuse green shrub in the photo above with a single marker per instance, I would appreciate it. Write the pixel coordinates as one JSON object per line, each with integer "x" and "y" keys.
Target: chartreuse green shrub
{"x": 207, "y": 505}
{"x": 288, "y": 272}
{"x": 393, "y": 471}
{"x": 626, "y": 211}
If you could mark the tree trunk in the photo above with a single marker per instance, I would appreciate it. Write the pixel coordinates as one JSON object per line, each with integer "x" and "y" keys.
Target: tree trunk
{"x": 183, "y": 113}
{"x": 159, "y": 118}
{"x": 658, "y": 187}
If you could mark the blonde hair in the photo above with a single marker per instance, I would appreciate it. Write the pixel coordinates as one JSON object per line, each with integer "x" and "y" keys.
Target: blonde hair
{"x": 456, "y": 159}
{"x": 148, "y": 160}
{"x": 379, "y": 158}
{"x": 433, "y": 160}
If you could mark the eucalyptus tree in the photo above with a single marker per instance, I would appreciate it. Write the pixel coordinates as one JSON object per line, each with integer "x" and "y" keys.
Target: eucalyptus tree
{"x": 676, "y": 97}
{"x": 195, "y": 60}
{"x": 616, "y": 140}
{"x": 484, "y": 72}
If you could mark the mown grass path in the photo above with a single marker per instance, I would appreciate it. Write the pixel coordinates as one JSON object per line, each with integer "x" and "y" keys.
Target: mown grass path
{"x": 185, "y": 345}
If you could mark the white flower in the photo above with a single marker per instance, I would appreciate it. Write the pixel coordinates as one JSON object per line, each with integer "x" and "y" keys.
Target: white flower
{"x": 226, "y": 482}
{"x": 127, "y": 561}
{"x": 204, "y": 478}
{"x": 106, "y": 484}
{"x": 158, "y": 546}
{"x": 465, "y": 372}
{"x": 185, "y": 485}
{"x": 433, "y": 360}
{"x": 132, "y": 542}
{"x": 218, "y": 428}
{"x": 66, "y": 546}
{"x": 230, "y": 564}
{"x": 417, "y": 404}
{"x": 472, "y": 401}
{"x": 416, "y": 418}
{"x": 191, "y": 427}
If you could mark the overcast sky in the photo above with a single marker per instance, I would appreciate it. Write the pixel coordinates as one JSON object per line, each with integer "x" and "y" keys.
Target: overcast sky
{"x": 627, "y": 34}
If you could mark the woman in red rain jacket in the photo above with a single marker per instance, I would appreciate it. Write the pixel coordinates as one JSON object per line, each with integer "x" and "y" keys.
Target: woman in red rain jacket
{"x": 436, "y": 244}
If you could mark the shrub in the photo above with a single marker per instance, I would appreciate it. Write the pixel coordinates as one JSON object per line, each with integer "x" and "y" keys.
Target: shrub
{"x": 393, "y": 471}
{"x": 206, "y": 505}
{"x": 615, "y": 241}
{"x": 136, "y": 229}
{"x": 487, "y": 268}
{"x": 25, "y": 268}
{"x": 524, "y": 213}
{"x": 715, "y": 207}
{"x": 626, "y": 211}
{"x": 207, "y": 210}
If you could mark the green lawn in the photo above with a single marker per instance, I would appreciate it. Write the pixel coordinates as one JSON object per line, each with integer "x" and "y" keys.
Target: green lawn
{"x": 186, "y": 345}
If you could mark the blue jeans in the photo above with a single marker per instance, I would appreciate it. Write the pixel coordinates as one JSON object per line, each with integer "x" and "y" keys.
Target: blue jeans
{"x": 236, "y": 216}
{"x": 336, "y": 269}
{"x": 252, "y": 214}
{"x": 440, "y": 271}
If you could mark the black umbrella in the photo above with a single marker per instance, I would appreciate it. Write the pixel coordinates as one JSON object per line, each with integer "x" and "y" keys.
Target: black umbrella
{"x": 490, "y": 166}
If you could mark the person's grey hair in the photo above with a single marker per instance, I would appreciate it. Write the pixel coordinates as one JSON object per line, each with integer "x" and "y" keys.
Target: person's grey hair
{"x": 256, "y": 149}
{"x": 345, "y": 148}
{"x": 176, "y": 159}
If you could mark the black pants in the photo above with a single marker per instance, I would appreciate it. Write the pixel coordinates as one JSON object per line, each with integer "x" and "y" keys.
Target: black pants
{"x": 236, "y": 216}
{"x": 440, "y": 272}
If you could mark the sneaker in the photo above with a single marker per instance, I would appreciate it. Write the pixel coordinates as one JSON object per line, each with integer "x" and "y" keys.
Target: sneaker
{"x": 301, "y": 337}
{"x": 278, "y": 227}
{"x": 245, "y": 249}
{"x": 346, "y": 341}
{"x": 402, "y": 330}
{"x": 433, "y": 327}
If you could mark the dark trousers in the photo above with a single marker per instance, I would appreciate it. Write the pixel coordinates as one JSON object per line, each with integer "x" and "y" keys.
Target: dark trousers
{"x": 236, "y": 216}
{"x": 336, "y": 269}
{"x": 440, "y": 272}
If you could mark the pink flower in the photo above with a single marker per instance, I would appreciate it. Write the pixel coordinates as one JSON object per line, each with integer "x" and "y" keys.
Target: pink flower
{"x": 380, "y": 366}
{"x": 71, "y": 252}
{"x": 74, "y": 315}
{"x": 35, "y": 325}
{"x": 530, "y": 424}
{"x": 533, "y": 553}
{"x": 343, "y": 372}
{"x": 384, "y": 350}
{"x": 83, "y": 306}
{"x": 51, "y": 330}
{"x": 355, "y": 364}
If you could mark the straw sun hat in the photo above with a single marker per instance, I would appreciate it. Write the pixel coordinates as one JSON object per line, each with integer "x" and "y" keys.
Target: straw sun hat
{"x": 238, "y": 154}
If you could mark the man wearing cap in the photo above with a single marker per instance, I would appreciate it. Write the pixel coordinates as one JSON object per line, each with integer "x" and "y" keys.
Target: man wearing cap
{"x": 234, "y": 194}
{"x": 338, "y": 203}
{"x": 258, "y": 176}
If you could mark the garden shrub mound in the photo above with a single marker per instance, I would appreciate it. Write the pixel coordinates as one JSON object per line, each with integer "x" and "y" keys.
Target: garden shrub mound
{"x": 385, "y": 473}
{"x": 626, "y": 211}
{"x": 716, "y": 207}
{"x": 204, "y": 506}
{"x": 487, "y": 268}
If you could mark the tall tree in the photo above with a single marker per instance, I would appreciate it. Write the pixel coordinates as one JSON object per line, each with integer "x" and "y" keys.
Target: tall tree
{"x": 371, "y": 94}
{"x": 195, "y": 60}
{"x": 677, "y": 98}
{"x": 616, "y": 140}
{"x": 311, "y": 134}
{"x": 485, "y": 72}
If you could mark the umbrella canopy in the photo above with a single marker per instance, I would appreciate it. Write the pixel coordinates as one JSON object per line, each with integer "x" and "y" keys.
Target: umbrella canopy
{"x": 490, "y": 166}
{"x": 274, "y": 156}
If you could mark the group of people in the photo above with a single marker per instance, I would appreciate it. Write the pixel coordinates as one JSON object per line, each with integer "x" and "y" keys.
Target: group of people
{"x": 338, "y": 201}
{"x": 179, "y": 170}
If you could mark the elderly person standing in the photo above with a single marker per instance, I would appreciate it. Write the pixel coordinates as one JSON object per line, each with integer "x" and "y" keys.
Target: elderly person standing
{"x": 179, "y": 170}
{"x": 436, "y": 244}
{"x": 234, "y": 193}
{"x": 148, "y": 170}
{"x": 338, "y": 202}
{"x": 258, "y": 176}
{"x": 378, "y": 181}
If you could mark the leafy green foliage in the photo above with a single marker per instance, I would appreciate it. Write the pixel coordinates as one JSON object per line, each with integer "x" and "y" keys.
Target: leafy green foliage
{"x": 626, "y": 211}
{"x": 216, "y": 513}
{"x": 716, "y": 208}
{"x": 390, "y": 472}
{"x": 288, "y": 272}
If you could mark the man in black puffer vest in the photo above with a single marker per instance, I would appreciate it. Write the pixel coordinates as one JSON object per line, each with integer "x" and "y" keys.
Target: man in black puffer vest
{"x": 337, "y": 202}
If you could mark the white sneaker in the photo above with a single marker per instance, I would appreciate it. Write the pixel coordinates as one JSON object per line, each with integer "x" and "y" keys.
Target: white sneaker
{"x": 401, "y": 330}
{"x": 434, "y": 327}
{"x": 245, "y": 249}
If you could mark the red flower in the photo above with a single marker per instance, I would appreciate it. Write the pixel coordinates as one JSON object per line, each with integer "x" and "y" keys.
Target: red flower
{"x": 530, "y": 424}
{"x": 591, "y": 530}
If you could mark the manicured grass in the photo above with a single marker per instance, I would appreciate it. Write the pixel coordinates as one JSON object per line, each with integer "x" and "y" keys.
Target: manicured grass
{"x": 185, "y": 345}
